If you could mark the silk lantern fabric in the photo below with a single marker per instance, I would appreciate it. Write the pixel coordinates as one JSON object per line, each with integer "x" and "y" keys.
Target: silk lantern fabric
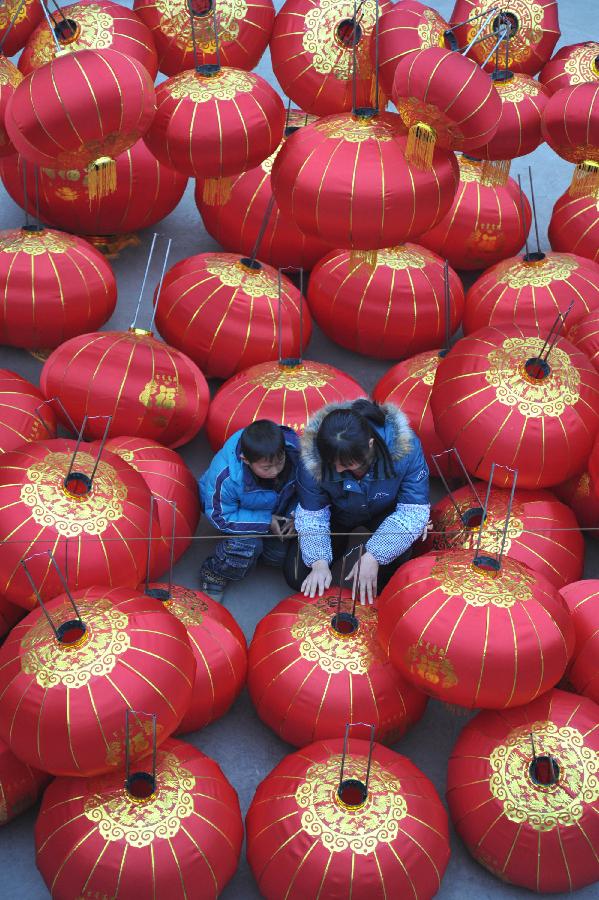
{"x": 571, "y": 65}
{"x": 582, "y": 599}
{"x": 20, "y": 785}
{"x": 584, "y": 334}
{"x": 10, "y": 77}
{"x": 571, "y": 128}
{"x": 574, "y": 226}
{"x": 19, "y": 423}
{"x": 405, "y": 28}
{"x": 580, "y": 494}
{"x": 519, "y": 131}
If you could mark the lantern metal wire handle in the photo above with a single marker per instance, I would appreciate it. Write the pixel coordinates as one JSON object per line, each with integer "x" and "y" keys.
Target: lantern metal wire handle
{"x": 479, "y": 503}
{"x": 290, "y": 361}
{"x": 74, "y": 480}
{"x": 354, "y": 789}
{"x": 160, "y": 593}
{"x": 13, "y": 19}
{"x": 193, "y": 15}
{"x": 155, "y": 237}
{"x": 62, "y": 410}
{"x": 485, "y": 561}
{"x": 51, "y": 26}
{"x": 71, "y": 632}
{"x": 140, "y": 786}
{"x": 344, "y": 623}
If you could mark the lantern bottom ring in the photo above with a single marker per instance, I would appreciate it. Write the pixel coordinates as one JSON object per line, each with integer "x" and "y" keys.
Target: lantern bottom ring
{"x": 77, "y": 485}
{"x": 507, "y": 18}
{"x": 473, "y": 518}
{"x": 348, "y": 33}
{"x": 72, "y": 634}
{"x": 544, "y": 771}
{"x": 344, "y": 625}
{"x": 140, "y": 787}
{"x": 535, "y": 370}
{"x": 159, "y": 594}
{"x": 351, "y": 793}
{"x": 67, "y": 31}
{"x": 487, "y": 565}
{"x": 533, "y": 259}
{"x": 252, "y": 264}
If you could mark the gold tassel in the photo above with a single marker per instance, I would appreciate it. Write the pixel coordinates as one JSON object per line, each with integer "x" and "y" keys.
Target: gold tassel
{"x": 101, "y": 178}
{"x": 421, "y": 145}
{"x": 365, "y": 257}
{"x": 110, "y": 245}
{"x": 217, "y": 191}
{"x": 495, "y": 172}
{"x": 585, "y": 181}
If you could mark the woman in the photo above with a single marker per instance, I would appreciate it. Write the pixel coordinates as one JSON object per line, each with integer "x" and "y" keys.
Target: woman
{"x": 361, "y": 465}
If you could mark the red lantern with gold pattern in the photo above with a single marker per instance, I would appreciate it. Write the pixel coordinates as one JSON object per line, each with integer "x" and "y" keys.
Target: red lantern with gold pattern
{"x": 27, "y": 18}
{"x": 485, "y": 223}
{"x": 574, "y": 226}
{"x": 315, "y": 826}
{"x": 20, "y": 785}
{"x": 571, "y": 65}
{"x": 244, "y": 29}
{"x": 19, "y": 403}
{"x": 584, "y": 334}
{"x": 582, "y": 599}
{"x": 114, "y": 648}
{"x": 571, "y": 128}
{"x": 522, "y": 792}
{"x": 91, "y": 25}
{"x": 315, "y": 664}
{"x": 54, "y": 286}
{"x": 181, "y": 840}
{"x": 389, "y": 311}
{"x": 10, "y": 77}
{"x": 494, "y": 400}
{"x": 404, "y": 29}
{"x": 224, "y": 312}
{"x": 287, "y": 392}
{"x": 150, "y": 389}
{"x": 580, "y": 495}
{"x": 95, "y": 527}
{"x": 476, "y": 632}
{"x": 534, "y": 31}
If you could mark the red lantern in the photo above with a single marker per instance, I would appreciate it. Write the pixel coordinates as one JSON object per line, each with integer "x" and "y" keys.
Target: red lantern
{"x": 369, "y": 837}
{"x": 10, "y": 77}
{"x": 574, "y": 226}
{"x": 530, "y": 291}
{"x": 534, "y": 31}
{"x": 522, "y": 792}
{"x": 91, "y": 25}
{"x": 582, "y": 599}
{"x": 182, "y": 840}
{"x": 54, "y": 286}
{"x": 20, "y": 785}
{"x": 9, "y": 616}
{"x": 19, "y": 401}
{"x": 594, "y": 467}
{"x": 585, "y": 336}
{"x": 79, "y": 110}
{"x": 404, "y": 29}
{"x": 220, "y": 651}
{"x": 485, "y": 224}
{"x": 96, "y": 529}
{"x": 150, "y": 389}
{"x": 27, "y": 18}
{"x": 123, "y": 649}
{"x": 495, "y": 402}
{"x": 477, "y": 633}
{"x": 570, "y": 66}
{"x": 390, "y": 311}
{"x": 314, "y": 664}
{"x": 286, "y": 392}
{"x": 223, "y": 311}
{"x": 583, "y": 499}
{"x": 213, "y": 122}
{"x": 244, "y": 29}
{"x": 571, "y": 128}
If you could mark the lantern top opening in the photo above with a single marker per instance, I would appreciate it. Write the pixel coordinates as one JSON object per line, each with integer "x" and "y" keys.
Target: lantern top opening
{"x": 507, "y": 18}
{"x": 502, "y": 75}
{"x": 487, "y": 565}
{"x": 473, "y": 518}
{"x": 345, "y": 624}
{"x": 33, "y": 229}
{"x": 596, "y": 66}
{"x": 290, "y": 362}
{"x": 291, "y": 129}
{"x": 158, "y": 594}
{"x": 140, "y": 787}
{"x": 67, "y": 31}
{"x": 252, "y": 264}
{"x": 365, "y": 112}
{"x": 348, "y": 33}
{"x": 352, "y": 793}
{"x": 537, "y": 369}
{"x": 208, "y": 70}
{"x": 533, "y": 259}
{"x": 201, "y": 8}
{"x": 141, "y": 332}
{"x": 78, "y": 485}
{"x": 72, "y": 634}
{"x": 544, "y": 771}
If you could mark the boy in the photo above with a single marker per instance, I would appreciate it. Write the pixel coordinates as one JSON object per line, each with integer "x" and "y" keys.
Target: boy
{"x": 248, "y": 490}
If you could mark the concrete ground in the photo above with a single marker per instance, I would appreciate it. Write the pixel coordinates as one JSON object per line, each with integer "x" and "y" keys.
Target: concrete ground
{"x": 246, "y": 749}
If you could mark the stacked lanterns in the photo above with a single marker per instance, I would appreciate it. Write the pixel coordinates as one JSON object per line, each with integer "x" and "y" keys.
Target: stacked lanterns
{"x": 10, "y": 77}
{"x": 571, "y": 128}
{"x": 582, "y": 599}
{"x": 22, "y": 417}
{"x": 574, "y": 226}
{"x": 404, "y": 29}
{"x": 570, "y": 66}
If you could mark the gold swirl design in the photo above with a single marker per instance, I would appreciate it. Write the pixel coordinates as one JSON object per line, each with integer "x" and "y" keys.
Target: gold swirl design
{"x": 225, "y": 85}
{"x": 7, "y": 11}
{"x": 353, "y": 653}
{"x": 431, "y": 664}
{"x": 470, "y": 169}
{"x": 291, "y": 378}
{"x": 174, "y": 23}
{"x": 34, "y": 243}
{"x": 73, "y": 666}
{"x": 533, "y": 398}
{"x": 401, "y": 257}
{"x": 580, "y": 66}
{"x": 96, "y": 32}
{"x": 519, "y": 274}
{"x": 467, "y": 538}
{"x": 338, "y": 828}
{"x": 267, "y": 164}
{"x": 253, "y": 282}
{"x": 423, "y": 367}
{"x": 53, "y": 507}
{"x": 544, "y": 807}
{"x": 127, "y": 455}
{"x": 120, "y": 818}
{"x": 458, "y": 577}
{"x": 431, "y": 29}
{"x": 518, "y": 88}
{"x": 187, "y": 606}
{"x": 356, "y": 129}
{"x": 329, "y": 56}
{"x": 9, "y": 74}
{"x": 530, "y": 32}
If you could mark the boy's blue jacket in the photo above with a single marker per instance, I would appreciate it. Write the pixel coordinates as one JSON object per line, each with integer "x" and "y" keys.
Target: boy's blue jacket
{"x": 233, "y": 500}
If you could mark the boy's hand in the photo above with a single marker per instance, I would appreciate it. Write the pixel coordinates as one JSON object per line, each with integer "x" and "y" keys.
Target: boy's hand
{"x": 318, "y": 580}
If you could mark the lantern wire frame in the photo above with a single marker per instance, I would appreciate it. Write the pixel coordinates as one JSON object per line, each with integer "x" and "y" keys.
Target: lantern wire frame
{"x": 161, "y": 593}
{"x": 352, "y": 793}
{"x": 72, "y": 631}
{"x": 140, "y": 786}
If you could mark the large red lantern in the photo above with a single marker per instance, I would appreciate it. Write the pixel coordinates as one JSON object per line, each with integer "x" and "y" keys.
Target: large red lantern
{"x": 584, "y": 334}
{"x": 287, "y": 392}
{"x": 181, "y": 839}
{"x": 534, "y": 31}
{"x": 224, "y": 312}
{"x": 321, "y": 823}
{"x": 106, "y": 650}
{"x": 95, "y": 527}
{"x": 476, "y": 632}
{"x": 314, "y": 664}
{"x": 574, "y": 226}
{"x": 20, "y": 785}
{"x": 580, "y": 494}
{"x": 244, "y": 29}
{"x": 150, "y": 389}
{"x": 403, "y": 29}
{"x": 10, "y": 77}
{"x": 389, "y": 311}
{"x": 522, "y": 791}
{"x": 571, "y": 128}
{"x": 9, "y": 616}
{"x": 582, "y": 599}
{"x": 54, "y": 286}
{"x": 594, "y": 467}
{"x": 495, "y": 400}
{"x": 26, "y": 19}
{"x": 91, "y": 25}
{"x": 570, "y": 66}
{"x": 20, "y": 403}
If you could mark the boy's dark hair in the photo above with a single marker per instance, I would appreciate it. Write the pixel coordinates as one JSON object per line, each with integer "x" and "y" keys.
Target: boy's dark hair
{"x": 262, "y": 439}
{"x": 344, "y": 435}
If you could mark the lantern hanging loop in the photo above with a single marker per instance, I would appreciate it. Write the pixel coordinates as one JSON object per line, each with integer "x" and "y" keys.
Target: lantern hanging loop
{"x": 447, "y": 298}
{"x": 160, "y": 593}
{"x": 63, "y": 412}
{"x": 71, "y": 633}
{"x": 538, "y": 367}
{"x": 193, "y": 15}
{"x": 352, "y": 792}
{"x": 487, "y": 563}
{"x": 13, "y": 19}
{"x": 476, "y": 511}
{"x": 498, "y": 31}
{"x": 534, "y": 209}
{"x": 155, "y": 236}
{"x": 355, "y": 23}
{"x": 67, "y": 29}
{"x": 162, "y": 274}
{"x": 77, "y": 484}
{"x": 523, "y": 213}
{"x": 290, "y": 361}
{"x": 139, "y": 786}
{"x": 343, "y": 623}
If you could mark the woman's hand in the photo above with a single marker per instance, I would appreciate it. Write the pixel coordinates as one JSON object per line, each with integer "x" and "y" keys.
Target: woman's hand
{"x": 318, "y": 580}
{"x": 365, "y": 580}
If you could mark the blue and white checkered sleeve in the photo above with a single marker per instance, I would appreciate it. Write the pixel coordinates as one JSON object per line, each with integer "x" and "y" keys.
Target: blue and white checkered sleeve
{"x": 314, "y": 529}
{"x": 398, "y": 531}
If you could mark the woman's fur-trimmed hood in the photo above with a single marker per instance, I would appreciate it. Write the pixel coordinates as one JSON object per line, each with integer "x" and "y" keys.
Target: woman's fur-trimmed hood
{"x": 398, "y": 435}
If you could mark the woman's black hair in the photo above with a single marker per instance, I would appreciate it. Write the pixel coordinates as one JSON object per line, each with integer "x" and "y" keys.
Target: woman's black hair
{"x": 344, "y": 436}
{"x": 262, "y": 439}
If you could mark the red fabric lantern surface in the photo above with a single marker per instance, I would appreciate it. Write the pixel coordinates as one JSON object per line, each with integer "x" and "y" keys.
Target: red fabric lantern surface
{"x": 223, "y": 311}
{"x": 493, "y": 405}
{"x": 372, "y": 197}
{"x": 96, "y": 25}
{"x": 571, "y": 128}
{"x": 19, "y": 423}
{"x": 594, "y": 467}
{"x": 244, "y": 29}
{"x": 150, "y": 389}
{"x": 312, "y": 53}
{"x": 129, "y": 652}
{"x": 220, "y": 651}
{"x": 20, "y": 785}
{"x": 542, "y": 532}
{"x": 530, "y": 291}
{"x": 181, "y": 841}
{"x": 304, "y": 839}
{"x": 97, "y": 536}
{"x": 404, "y": 29}
{"x": 584, "y": 334}
{"x": 534, "y": 32}
{"x": 390, "y": 311}
{"x": 10, "y": 77}
{"x": 287, "y": 393}
{"x": 310, "y": 672}
{"x": 519, "y": 132}
{"x": 54, "y": 286}
{"x": 582, "y": 599}
{"x": 27, "y": 18}
{"x": 570, "y": 66}
{"x": 484, "y": 224}
{"x": 580, "y": 494}
{"x": 472, "y": 634}
{"x": 534, "y": 835}
{"x": 9, "y": 616}
{"x": 574, "y": 226}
